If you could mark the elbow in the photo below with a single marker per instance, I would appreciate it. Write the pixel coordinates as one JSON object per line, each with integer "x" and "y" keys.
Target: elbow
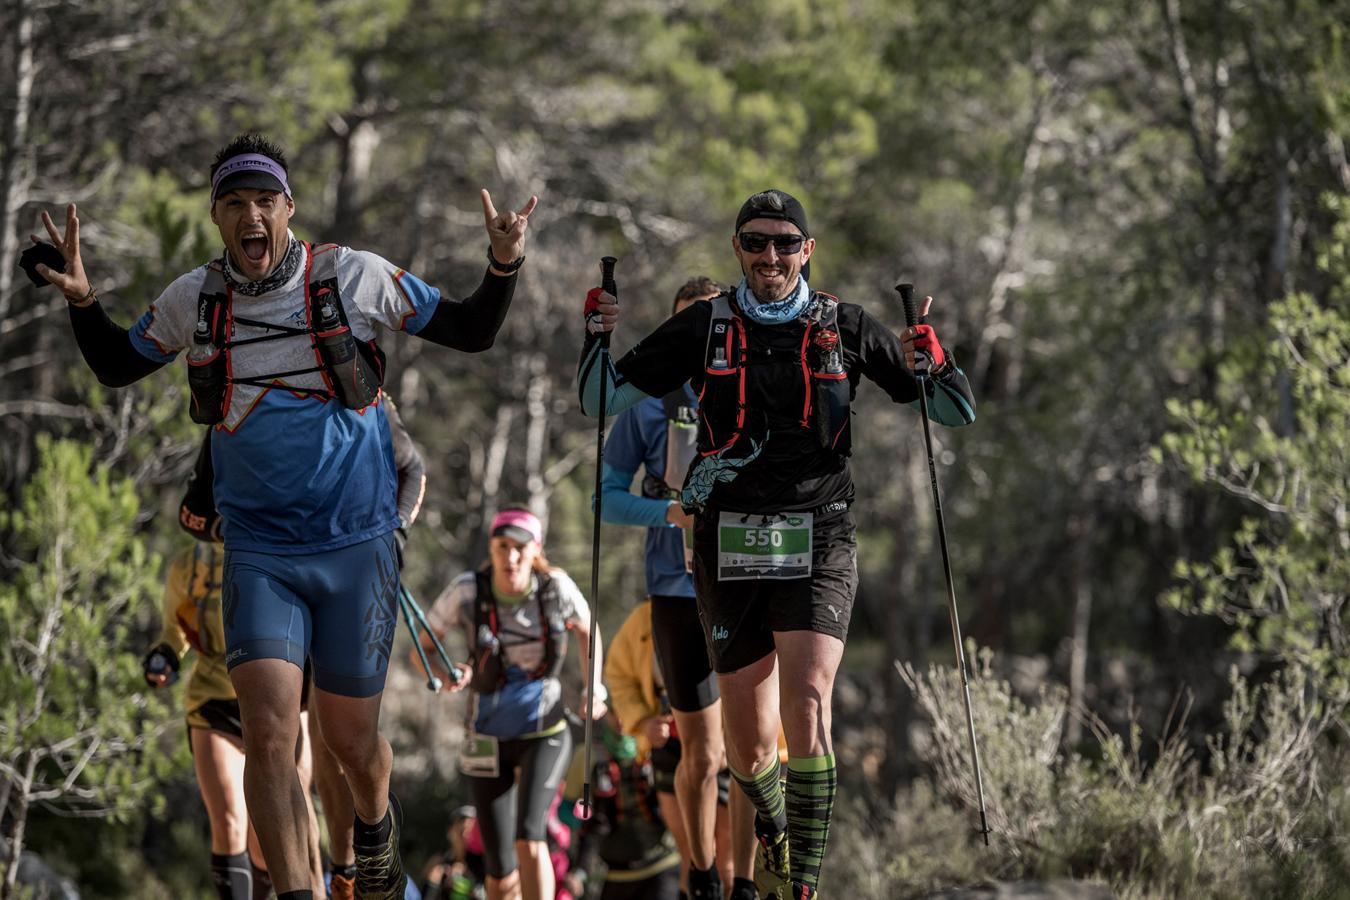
{"x": 108, "y": 379}
{"x": 480, "y": 342}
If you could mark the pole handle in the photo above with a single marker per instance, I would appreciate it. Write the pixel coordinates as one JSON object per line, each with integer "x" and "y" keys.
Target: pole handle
{"x": 607, "y": 284}
{"x": 909, "y": 303}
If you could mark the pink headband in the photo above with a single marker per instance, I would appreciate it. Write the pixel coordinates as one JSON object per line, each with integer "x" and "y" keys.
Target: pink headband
{"x": 518, "y": 519}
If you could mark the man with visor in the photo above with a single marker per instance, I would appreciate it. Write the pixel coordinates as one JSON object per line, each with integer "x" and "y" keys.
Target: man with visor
{"x": 282, "y": 363}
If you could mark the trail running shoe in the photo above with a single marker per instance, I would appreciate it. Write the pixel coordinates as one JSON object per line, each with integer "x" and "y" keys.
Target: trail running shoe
{"x": 771, "y": 859}
{"x": 743, "y": 889}
{"x": 342, "y": 886}
{"x": 379, "y": 870}
{"x": 794, "y": 890}
{"x": 705, "y": 885}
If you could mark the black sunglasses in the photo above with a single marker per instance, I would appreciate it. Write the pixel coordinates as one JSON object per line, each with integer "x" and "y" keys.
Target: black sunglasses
{"x": 785, "y": 244}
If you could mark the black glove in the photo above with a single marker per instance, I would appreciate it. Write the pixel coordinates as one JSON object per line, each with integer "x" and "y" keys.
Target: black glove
{"x": 43, "y": 253}
{"x": 400, "y": 539}
{"x": 162, "y": 660}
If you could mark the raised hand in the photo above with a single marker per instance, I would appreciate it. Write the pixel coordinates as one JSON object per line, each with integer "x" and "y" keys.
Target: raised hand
{"x": 506, "y": 230}
{"x": 73, "y": 282}
{"x": 921, "y": 339}
{"x": 601, "y": 311}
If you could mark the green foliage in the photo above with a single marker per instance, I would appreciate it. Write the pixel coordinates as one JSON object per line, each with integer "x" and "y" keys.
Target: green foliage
{"x": 1276, "y": 436}
{"x": 1265, "y": 819}
{"x": 76, "y": 719}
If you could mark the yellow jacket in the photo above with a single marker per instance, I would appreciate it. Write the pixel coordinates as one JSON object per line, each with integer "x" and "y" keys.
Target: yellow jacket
{"x": 192, "y": 618}
{"x": 630, "y": 674}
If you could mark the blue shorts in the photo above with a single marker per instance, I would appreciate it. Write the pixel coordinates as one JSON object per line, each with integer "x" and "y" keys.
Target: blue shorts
{"x": 339, "y": 607}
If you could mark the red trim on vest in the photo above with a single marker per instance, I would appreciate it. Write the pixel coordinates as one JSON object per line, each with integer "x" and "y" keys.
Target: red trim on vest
{"x": 806, "y": 378}
{"x": 309, "y": 325}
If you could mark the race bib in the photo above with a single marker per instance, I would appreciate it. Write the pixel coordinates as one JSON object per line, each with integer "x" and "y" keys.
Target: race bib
{"x": 777, "y": 545}
{"x": 479, "y": 756}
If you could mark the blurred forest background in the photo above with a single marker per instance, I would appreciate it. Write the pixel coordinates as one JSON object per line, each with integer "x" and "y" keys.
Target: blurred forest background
{"x": 1133, "y": 217}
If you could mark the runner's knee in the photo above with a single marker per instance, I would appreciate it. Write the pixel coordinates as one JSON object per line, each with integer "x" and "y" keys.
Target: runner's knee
{"x": 354, "y": 750}
{"x": 699, "y": 763}
{"x": 531, "y": 851}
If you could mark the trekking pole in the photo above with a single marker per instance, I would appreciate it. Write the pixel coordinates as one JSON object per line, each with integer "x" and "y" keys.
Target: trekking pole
{"x": 455, "y": 675}
{"x": 607, "y": 284}
{"x": 412, "y": 610}
{"x": 922, "y": 374}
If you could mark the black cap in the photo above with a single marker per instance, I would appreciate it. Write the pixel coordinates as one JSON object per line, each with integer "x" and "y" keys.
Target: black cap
{"x": 773, "y": 204}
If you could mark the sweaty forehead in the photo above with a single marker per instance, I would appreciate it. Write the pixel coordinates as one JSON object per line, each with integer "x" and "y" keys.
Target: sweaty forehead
{"x": 771, "y": 226}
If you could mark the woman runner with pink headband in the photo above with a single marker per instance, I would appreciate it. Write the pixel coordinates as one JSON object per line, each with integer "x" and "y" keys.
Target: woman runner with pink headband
{"x": 515, "y": 613}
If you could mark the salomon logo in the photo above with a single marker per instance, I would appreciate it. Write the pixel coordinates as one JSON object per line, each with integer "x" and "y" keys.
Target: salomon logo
{"x": 720, "y": 328}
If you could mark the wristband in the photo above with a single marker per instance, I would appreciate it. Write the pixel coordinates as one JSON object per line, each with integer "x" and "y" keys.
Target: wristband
{"x": 508, "y": 268}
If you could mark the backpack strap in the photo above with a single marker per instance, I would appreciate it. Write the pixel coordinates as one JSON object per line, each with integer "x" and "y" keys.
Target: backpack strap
{"x": 323, "y": 278}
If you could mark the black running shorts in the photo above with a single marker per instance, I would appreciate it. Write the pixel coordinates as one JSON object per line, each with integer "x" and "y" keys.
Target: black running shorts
{"x": 508, "y": 810}
{"x": 217, "y": 715}
{"x": 677, "y": 635}
{"x": 740, "y": 617}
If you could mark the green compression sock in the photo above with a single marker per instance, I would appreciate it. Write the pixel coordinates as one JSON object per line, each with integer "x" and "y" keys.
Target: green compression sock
{"x": 811, "y": 786}
{"x": 765, "y": 793}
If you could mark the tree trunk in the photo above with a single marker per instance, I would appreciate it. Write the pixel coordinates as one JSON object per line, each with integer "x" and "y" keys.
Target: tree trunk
{"x": 14, "y": 176}
{"x": 492, "y": 470}
{"x": 538, "y": 398}
{"x": 1078, "y": 644}
{"x": 18, "y": 828}
{"x": 1001, "y": 323}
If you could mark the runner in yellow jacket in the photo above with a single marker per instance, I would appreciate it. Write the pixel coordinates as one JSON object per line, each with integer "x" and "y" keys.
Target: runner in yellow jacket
{"x": 633, "y": 678}
{"x": 192, "y": 620}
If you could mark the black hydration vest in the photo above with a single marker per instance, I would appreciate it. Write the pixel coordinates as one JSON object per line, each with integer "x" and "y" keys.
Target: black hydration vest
{"x": 489, "y": 669}
{"x": 824, "y": 383}
{"x": 352, "y": 370}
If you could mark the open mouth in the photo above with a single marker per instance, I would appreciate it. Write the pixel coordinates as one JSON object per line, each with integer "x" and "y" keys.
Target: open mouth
{"x": 255, "y": 248}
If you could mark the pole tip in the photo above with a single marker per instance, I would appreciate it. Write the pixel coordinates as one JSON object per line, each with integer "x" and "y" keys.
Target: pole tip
{"x": 435, "y": 685}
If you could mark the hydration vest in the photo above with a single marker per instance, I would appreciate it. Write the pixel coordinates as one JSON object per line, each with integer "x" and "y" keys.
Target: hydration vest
{"x": 352, "y": 370}
{"x": 824, "y": 382}
{"x": 489, "y": 669}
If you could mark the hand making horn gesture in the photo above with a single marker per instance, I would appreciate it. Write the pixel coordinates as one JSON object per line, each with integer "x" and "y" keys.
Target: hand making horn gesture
{"x": 506, "y": 233}
{"x": 73, "y": 282}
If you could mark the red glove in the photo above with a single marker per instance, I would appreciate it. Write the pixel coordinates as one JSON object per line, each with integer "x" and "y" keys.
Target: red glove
{"x": 925, "y": 341}
{"x": 600, "y": 321}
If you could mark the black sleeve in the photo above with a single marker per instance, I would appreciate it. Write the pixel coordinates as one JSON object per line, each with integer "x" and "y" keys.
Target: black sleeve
{"x": 107, "y": 347}
{"x": 197, "y": 514}
{"x": 412, "y": 476}
{"x": 671, "y": 355}
{"x": 882, "y": 359}
{"x": 472, "y": 324}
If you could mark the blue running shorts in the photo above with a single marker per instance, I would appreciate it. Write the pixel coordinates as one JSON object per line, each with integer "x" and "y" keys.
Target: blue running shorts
{"x": 339, "y": 607}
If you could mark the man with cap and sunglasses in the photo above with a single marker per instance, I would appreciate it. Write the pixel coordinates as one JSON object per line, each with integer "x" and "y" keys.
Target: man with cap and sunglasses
{"x": 282, "y": 363}
{"x": 775, "y": 364}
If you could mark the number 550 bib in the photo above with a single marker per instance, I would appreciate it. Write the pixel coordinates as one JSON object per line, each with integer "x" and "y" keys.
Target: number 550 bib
{"x": 753, "y": 546}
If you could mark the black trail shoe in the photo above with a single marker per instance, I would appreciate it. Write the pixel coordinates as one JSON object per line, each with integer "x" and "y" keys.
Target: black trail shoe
{"x": 379, "y": 869}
